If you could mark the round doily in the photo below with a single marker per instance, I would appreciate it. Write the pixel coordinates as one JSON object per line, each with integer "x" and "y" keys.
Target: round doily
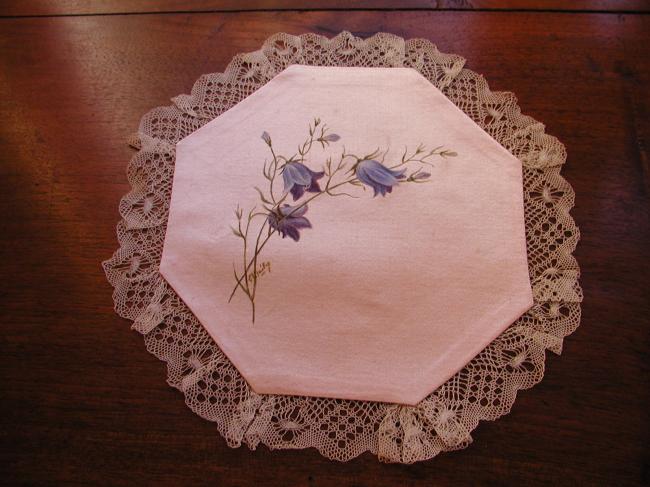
{"x": 484, "y": 389}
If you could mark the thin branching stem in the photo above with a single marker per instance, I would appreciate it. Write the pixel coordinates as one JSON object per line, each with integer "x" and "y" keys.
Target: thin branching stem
{"x": 275, "y": 210}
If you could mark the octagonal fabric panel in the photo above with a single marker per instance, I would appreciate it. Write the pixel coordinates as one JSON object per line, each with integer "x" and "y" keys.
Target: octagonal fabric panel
{"x": 380, "y": 258}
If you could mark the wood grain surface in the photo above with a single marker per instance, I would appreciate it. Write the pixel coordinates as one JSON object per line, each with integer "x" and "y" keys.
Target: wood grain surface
{"x": 104, "y": 7}
{"x": 83, "y": 403}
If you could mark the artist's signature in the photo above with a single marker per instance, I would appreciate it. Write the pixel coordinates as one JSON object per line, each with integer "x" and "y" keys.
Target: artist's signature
{"x": 262, "y": 268}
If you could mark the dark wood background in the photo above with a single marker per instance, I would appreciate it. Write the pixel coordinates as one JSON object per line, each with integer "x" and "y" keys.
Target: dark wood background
{"x": 82, "y": 401}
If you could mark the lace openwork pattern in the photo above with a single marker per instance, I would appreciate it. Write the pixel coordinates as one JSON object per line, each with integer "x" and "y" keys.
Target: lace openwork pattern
{"x": 484, "y": 389}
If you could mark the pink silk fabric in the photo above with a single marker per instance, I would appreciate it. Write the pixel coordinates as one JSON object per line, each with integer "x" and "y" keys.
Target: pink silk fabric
{"x": 384, "y": 298}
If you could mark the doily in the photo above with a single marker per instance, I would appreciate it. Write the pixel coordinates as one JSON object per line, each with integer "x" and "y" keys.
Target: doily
{"x": 484, "y": 389}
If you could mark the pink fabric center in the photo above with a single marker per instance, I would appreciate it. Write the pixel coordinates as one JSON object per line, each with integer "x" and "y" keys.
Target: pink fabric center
{"x": 382, "y": 298}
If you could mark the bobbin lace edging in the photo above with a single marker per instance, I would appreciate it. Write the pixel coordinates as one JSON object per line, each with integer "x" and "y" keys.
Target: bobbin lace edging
{"x": 484, "y": 389}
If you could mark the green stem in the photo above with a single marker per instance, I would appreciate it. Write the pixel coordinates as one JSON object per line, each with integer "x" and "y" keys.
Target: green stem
{"x": 250, "y": 264}
{"x": 275, "y": 170}
{"x": 258, "y": 250}
{"x": 246, "y": 255}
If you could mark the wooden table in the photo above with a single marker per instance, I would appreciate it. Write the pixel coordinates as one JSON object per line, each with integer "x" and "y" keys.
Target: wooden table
{"x": 83, "y": 403}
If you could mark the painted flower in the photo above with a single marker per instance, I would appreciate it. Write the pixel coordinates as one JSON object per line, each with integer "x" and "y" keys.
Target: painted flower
{"x": 332, "y": 137}
{"x": 380, "y": 178}
{"x": 289, "y": 220}
{"x": 298, "y": 178}
{"x": 266, "y": 137}
{"x": 419, "y": 176}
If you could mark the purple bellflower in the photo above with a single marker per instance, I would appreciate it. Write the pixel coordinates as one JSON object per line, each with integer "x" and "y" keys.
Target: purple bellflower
{"x": 289, "y": 220}
{"x": 380, "y": 178}
{"x": 331, "y": 137}
{"x": 298, "y": 178}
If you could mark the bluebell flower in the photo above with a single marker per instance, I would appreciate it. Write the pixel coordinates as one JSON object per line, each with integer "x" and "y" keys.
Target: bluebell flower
{"x": 380, "y": 178}
{"x": 289, "y": 220}
{"x": 419, "y": 176}
{"x": 332, "y": 137}
{"x": 298, "y": 178}
{"x": 266, "y": 137}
